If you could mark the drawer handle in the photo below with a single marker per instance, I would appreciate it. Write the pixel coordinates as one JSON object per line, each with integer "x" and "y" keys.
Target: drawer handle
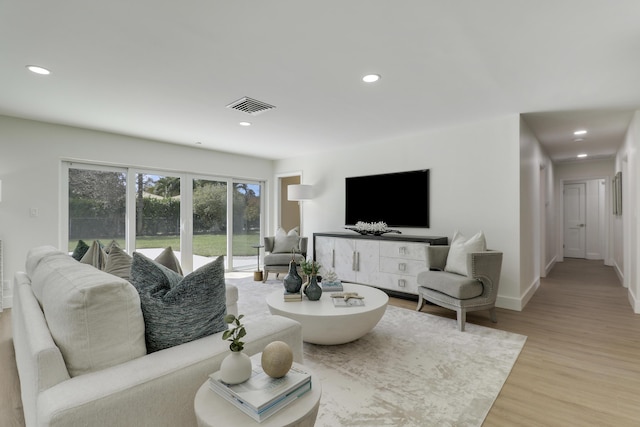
{"x": 402, "y": 266}
{"x": 402, "y": 250}
{"x": 402, "y": 283}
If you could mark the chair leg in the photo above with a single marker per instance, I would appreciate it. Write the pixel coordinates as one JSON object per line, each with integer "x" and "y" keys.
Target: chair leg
{"x": 266, "y": 274}
{"x": 462, "y": 318}
{"x": 420, "y": 302}
{"x": 492, "y": 314}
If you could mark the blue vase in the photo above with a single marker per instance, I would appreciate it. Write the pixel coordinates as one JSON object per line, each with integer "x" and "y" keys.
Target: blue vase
{"x": 292, "y": 281}
{"x": 313, "y": 291}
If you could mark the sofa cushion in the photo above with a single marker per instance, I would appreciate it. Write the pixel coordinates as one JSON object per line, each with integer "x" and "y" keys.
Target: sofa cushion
{"x": 460, "y": 247}
{"x": 179, "y": 309}
{"x": 35, "y": 255}
{"x": 94, "y": 317}
{"x": 456, "y": 286}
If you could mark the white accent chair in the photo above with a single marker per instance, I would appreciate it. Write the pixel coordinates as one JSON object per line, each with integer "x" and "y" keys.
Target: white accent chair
{"x": 475, "y": 291}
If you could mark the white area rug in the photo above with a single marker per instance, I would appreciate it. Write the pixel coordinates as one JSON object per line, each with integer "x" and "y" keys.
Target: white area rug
{"x": 413, "y": 369}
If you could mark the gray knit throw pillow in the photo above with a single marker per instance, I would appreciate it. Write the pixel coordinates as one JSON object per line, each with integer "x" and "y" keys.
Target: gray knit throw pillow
{"x": 179, "y": 309}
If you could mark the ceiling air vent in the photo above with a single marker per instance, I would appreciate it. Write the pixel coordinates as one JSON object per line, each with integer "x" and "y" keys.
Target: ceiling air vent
{"x": 250, "y": 106}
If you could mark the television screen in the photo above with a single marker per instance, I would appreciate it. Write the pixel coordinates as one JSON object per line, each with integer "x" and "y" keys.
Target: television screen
{"x": 399, "y": 199}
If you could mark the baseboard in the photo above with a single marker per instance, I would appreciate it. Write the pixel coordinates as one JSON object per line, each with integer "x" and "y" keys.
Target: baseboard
{"x": 529, "y": 292}
{"x": 635, "y": 303}
{"x": 619, "y": 273}
{"x": 594, "y": 256}
{"x": 550, "y": 265}
{"x": 517, "y": 304}
{"x": 7, "y": 302}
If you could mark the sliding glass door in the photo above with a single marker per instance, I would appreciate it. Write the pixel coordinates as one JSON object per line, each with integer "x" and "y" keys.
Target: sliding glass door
{"x": 96, "y": 205}
{"x": 209, "y": 221}
{"x": 157, "y": 213}
{"x": 201, "y": 217}
{"x": 247, "y": 208}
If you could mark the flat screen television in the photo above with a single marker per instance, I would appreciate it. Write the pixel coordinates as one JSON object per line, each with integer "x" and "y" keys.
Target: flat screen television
{"x": 400, "y": 199}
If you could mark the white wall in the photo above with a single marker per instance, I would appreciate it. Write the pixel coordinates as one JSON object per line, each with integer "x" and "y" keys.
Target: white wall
{"x": 474, "y": 172}
{"x": 30, "y": 158}
{"x": 626, "y": 244}
{"x": 536, "y": 218}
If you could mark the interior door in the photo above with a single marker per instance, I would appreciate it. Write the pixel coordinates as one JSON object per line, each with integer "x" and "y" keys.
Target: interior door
{"x": 574, "y": 220}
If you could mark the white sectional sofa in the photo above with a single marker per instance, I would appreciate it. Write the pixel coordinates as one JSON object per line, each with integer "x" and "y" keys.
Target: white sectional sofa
{"x": 81, "y": 356}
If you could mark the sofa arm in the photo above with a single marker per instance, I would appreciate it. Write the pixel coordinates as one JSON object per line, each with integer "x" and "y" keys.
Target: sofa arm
{"x": 157, "y": 389}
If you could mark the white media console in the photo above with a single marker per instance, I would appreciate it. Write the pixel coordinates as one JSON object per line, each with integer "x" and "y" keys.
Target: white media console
{"x": 389, "y": 262}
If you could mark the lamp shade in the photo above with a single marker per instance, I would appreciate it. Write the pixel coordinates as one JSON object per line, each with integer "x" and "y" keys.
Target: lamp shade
{"x": 299, "y": 192}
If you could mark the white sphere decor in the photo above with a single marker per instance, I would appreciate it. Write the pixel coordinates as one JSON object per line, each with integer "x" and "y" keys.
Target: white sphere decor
{"x": 277, "y": 359}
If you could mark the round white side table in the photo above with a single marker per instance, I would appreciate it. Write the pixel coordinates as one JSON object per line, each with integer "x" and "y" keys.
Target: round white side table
{"x": 212, "y": 410}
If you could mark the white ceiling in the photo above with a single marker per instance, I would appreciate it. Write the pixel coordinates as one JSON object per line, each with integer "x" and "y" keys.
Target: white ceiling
{"x": 166, "y": 70}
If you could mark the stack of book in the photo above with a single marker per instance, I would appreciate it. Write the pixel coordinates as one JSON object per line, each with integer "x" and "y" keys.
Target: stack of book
{"x": 292, "y": 296}
{"x": 332, "y": 286}
{"x": 262, "y": 396}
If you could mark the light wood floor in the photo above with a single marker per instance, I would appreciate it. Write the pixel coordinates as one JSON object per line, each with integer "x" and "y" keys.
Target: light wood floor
{"x": 579, "y": 367}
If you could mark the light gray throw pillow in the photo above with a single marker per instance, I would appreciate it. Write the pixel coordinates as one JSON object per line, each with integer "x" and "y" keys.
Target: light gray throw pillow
{"x": 95, "y": 256}
{"x": 119, "y": 263}
{"x": 460, "y": 247}
{"x": 179, "y": 309}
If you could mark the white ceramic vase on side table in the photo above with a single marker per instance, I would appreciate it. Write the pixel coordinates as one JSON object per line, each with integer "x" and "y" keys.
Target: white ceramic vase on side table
{"x": 235, "y": 368}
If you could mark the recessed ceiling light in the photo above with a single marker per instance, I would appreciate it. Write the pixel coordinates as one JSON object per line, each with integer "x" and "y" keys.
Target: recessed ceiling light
{"x": 370, "y": 78}
{"x": 580, "y": 132}
{"x": 582, "y": 155}
{"x": 38, "y": 70}
{"x": 244, "y": 124}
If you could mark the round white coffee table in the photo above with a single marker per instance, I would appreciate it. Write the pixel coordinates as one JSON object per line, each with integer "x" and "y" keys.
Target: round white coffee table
{"x": 213, "y": 410}
{"x": 323, "y": 323}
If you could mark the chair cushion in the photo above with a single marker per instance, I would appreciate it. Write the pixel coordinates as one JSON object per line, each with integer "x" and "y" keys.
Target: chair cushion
{"x": 454, "y": 285}
{"x": 460, "y": 247}
{"x": 281, "y": 259}
{"x": 179, "y": 309}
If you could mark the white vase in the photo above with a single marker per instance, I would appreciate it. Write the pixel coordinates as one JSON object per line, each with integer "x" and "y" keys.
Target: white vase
{"x": 235, "y": 368}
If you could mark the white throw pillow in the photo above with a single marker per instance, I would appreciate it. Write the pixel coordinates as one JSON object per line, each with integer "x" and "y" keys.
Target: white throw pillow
{"x": 286, "y": 242}
{"x": 460, "y": 247}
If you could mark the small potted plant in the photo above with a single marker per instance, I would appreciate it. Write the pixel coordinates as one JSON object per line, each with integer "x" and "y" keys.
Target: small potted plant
{"x": 236, "y": 367}
{"x": 310, "y": 267}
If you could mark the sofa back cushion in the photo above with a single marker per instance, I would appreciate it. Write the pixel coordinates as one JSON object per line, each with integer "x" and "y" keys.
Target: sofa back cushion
{"x": 179, "y": 309}
{"x": 94, "y": 317}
